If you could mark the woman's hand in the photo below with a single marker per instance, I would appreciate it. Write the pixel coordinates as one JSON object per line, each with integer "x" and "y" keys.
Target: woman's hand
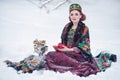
{"x": 65, "y": 49}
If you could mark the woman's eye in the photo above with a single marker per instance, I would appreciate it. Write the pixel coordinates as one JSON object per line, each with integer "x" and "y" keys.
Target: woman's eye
{"x": 71, "y": 15}
{"x": 76, "y": 14}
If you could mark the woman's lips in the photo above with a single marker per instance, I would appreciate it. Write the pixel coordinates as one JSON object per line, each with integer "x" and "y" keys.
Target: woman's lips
{"x": 74, "y": 19}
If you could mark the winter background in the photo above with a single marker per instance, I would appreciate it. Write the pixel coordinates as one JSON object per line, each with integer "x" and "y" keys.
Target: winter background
{"x": 23, "y": 21}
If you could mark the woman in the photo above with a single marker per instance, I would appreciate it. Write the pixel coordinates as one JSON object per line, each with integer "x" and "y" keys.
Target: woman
{"x": 75, "y": 55}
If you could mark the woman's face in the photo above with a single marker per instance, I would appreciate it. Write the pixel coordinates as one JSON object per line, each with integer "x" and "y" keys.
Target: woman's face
{"x": 75, "y": 16}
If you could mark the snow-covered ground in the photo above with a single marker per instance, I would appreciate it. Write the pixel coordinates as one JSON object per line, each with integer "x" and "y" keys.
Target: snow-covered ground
{"x": 21, "y": 22}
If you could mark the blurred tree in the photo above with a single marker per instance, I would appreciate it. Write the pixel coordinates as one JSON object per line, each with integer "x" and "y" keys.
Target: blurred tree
{"x": 50, "y": 5}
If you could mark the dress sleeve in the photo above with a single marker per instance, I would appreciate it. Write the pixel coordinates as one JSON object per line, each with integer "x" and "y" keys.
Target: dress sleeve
{"x": 84, "y": 43}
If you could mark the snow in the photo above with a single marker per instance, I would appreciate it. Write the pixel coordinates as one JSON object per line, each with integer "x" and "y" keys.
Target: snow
{"x": 22, "y": 22}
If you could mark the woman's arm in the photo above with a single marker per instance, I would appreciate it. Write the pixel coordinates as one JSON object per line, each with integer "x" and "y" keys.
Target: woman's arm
{"x": 85, "y": 44}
